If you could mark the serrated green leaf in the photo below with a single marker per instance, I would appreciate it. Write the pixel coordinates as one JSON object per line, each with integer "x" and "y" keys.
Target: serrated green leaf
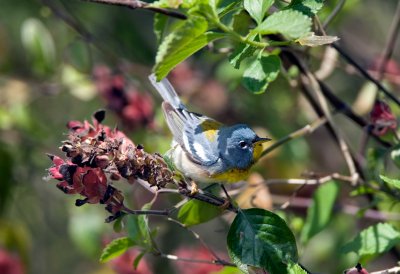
{"x": 260, "y": 73}
{"x": 168, "y": 54}
{"x": 257, "y": 8}
{"x": 320, "y": 211}
{"x": 393, "y": 182}
{"x": 196, "y": 212}
{"x": 160, "y": 23}
{"x": 182, "y": 43}
{"x": 291, "y": 23}
{"x": 261, "y": 238}
{"x": 374, "y": 240}
{"x": 242, "y": 52}
{"x": 308, "y": 7}
{"x": 115, "y": 248}
{"x": 205, "y": 8}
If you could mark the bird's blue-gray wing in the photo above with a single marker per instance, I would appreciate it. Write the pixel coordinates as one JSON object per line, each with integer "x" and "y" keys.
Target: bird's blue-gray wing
{"x": 197, "y": 134}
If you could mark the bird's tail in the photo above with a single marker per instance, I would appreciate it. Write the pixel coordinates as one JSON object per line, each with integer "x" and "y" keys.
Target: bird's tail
{"x": 167, "y": 91}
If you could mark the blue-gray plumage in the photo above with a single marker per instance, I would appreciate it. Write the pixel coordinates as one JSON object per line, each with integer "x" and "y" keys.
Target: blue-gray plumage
{"x": 204, "y": 149}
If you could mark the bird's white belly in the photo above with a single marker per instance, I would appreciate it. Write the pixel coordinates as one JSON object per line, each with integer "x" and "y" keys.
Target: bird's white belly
{"x": 187, "y": 167}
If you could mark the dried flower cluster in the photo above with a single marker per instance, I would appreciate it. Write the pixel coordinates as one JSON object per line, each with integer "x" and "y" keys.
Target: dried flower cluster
{"x": 96, "y": 156}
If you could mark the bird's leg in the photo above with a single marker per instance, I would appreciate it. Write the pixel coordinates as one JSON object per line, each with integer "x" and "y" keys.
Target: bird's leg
{"x": 228, "y": 200}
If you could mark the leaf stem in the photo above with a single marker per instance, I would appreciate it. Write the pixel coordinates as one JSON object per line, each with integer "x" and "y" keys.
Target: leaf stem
{"x": 238, "y": 37}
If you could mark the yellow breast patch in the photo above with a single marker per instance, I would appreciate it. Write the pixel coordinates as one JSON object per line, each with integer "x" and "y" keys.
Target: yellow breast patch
{"x": 232, "y": 175}
{"x": 210, "y": 129}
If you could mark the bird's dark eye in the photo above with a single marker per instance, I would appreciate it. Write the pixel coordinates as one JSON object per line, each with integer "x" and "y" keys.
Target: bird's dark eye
{"x": 243, "y": 144}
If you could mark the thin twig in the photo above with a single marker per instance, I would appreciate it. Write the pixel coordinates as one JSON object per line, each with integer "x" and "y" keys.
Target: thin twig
{"x": 333, "y": 14}
{"x": 322, "y": 180}
{"x": 194, "y": 261}
{"x": 146, "y": 212}
{"x": 135, "y": 4}
{"x": 201, "y": 195}
{"x": 360, "y": 69}
{"x": 77, "y": 26}
{"x": 299, "y": 202}
{"x": 365, "y": 73}
{"x": 309, "y": 79}
{"x": 308, "y": 129}
{"x": 197, "y": 236}
{"x": 392, "y": 270}
{"x": 344, "y": 108}
{"x": 390, "y": 43}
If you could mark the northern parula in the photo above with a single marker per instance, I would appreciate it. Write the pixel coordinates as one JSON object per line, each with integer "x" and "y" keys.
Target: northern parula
{"x": 203, "y": 149}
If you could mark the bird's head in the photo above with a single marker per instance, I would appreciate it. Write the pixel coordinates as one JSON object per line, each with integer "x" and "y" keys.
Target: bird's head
{"x": 240, "y": 146}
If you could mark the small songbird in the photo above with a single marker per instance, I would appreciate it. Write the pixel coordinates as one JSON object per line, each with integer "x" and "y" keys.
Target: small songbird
{"x": 203, "y": 149}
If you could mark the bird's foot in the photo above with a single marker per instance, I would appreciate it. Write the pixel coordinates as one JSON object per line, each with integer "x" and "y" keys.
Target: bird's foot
{"x": 227, "y": 203}
{"x": 194, "y": 188}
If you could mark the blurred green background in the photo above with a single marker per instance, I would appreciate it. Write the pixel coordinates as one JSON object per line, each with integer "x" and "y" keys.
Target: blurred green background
{"x": 54, "y": 56}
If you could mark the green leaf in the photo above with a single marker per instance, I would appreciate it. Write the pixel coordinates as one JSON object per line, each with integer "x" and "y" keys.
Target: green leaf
{"x": 395, "y": 155}
{"x": 290, "y": 23}
{"x": 241, "y": 22}
{"x": 393, "y": 182}
{"x": 257, "y": 8}
{"x": 160, "y": 23}
{"x": 138, "y": 229}
{"x": 320, "y": 212}
{"x": 228, "y": 270}
{"x": 260, "y": 73}
{"x": 196, "y": 212}
{"x": 261, "y": 238}
{"x": 39, "y": 46}
{"x": 205, "y": 8}
{"x": 118, "y": 223}
{"x": 295, "y": 269}
{"x": 308, "y": 7}
{"x": 116, "y": 248}
{"x": 181, "y": 44}
{"x": 138, "y": 259}
{"x": 242, "y": 52}
{"x": 374, "y": 240}
{"x": 227, "y": 6}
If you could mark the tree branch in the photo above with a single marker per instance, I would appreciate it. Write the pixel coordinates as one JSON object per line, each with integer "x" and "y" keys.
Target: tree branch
{"x": 135, "y": 4}
{"x": 308, "y": 129}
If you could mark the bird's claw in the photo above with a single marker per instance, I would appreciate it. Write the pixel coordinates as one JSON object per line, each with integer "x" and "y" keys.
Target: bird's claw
{"x": 194, "y": 188}
{"x": 226, "y": 204}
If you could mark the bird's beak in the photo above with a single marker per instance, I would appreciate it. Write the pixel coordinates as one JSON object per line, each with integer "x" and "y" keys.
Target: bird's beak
{"x": 260, "y": 140}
